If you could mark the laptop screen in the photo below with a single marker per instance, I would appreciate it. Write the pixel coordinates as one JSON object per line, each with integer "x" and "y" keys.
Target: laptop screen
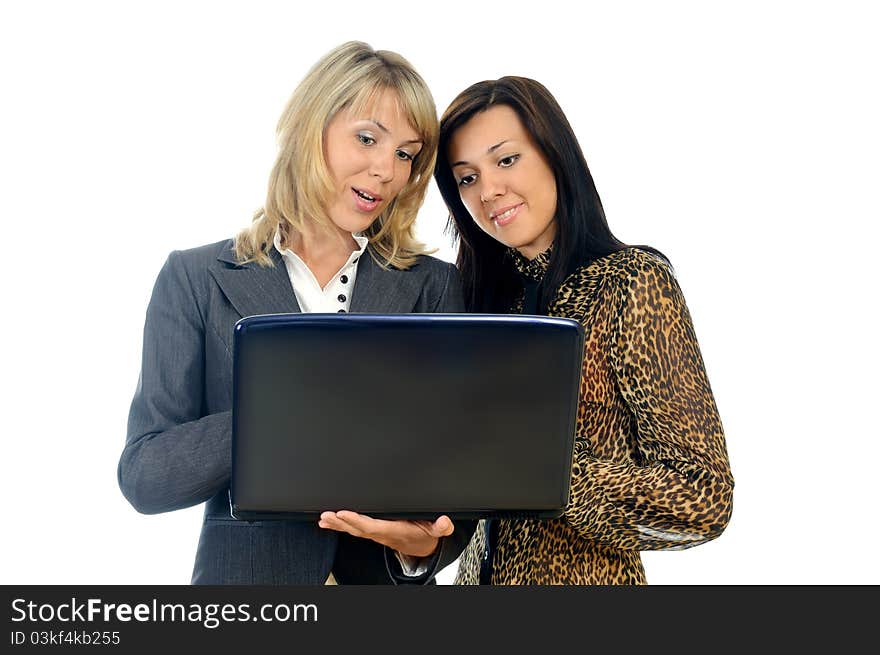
{"x": 404, "y": 416}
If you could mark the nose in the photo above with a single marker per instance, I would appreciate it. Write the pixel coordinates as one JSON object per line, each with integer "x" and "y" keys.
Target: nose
{"x": 492, "y": 186}
{"x": 382, "y": 166}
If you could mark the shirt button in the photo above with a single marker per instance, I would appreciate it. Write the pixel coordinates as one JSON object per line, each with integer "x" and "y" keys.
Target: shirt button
{"x": 341, "y": 311}
{"x": 344, "y": 279}
{"x": 340, "y": 298}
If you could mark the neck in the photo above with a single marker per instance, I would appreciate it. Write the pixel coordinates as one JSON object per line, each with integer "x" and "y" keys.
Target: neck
{"x": 323, "y": 251}
{"x": 320, "y": 248}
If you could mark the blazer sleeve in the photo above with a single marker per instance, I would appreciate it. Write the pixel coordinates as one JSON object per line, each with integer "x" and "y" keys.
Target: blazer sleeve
{"x": 448, "y": 550}
{"x": 676, "y": 490}
{"x": 174, "y": 456}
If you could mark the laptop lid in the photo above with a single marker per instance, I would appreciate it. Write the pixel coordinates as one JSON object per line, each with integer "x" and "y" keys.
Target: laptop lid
{"x": 404, "y": 415}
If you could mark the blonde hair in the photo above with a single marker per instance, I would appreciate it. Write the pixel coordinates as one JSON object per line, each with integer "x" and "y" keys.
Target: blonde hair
{"x": 350, "y": 76}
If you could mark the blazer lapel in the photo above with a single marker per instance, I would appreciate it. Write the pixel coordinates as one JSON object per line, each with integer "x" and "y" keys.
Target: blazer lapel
{"x": 253, "y": 289}
{"x": 379, "y": 290}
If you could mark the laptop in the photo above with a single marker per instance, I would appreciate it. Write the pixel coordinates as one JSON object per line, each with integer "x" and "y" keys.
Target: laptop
{"x": 405, "y": 416}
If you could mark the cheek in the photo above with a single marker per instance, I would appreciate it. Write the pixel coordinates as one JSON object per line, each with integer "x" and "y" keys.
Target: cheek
{"x": 549, "y": 187}
{"x": 334, "y": 152}
{"x": 471, "y": 202}
{"x": 401, "y": 178}
{"x": 336, "y": 167}
{"x": 482, "y": 222}
{"x": 347, "y": 161}
{"x": 543, "y": 199}
{"x": 550, "y": 203}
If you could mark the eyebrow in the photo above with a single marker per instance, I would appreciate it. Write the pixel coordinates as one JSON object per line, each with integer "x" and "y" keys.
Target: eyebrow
{"x": 488, "y": 152}
{"x": 387, "y": 131}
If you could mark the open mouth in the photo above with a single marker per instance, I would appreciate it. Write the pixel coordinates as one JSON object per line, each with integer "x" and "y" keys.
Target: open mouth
{"x": 365, "y": 201}
{"x": 366, "y": 196}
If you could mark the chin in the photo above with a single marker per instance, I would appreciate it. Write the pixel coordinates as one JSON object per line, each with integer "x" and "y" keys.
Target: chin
{"x": 356, "y": 224}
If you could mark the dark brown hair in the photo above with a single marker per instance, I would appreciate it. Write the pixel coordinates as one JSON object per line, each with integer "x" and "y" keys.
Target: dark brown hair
{"x": 582, "y": 233}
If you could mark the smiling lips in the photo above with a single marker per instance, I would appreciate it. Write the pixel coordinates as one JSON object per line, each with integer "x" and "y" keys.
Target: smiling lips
{"x": 365, "y": 200}
{"x": 505, "y": 215}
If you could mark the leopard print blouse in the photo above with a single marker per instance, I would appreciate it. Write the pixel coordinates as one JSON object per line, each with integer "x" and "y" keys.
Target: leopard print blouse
{"x": 650, "y": 467}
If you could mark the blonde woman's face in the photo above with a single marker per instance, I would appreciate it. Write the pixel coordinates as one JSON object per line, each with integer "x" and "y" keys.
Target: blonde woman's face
{"x": 370, "y": 157}
{"x": 504, "y": 180}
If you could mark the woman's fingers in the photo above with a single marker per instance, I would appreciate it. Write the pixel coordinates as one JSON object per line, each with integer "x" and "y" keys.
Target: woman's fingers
{"x": 418, "y": 538}
{"x": 442, "y": 527}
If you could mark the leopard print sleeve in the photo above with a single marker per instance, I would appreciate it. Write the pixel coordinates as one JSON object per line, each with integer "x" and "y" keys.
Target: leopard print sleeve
{"x": 671, "y": 487}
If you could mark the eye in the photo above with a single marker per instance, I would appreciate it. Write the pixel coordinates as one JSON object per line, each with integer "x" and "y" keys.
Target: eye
{"x": 467, "y": 180}
{"x": 366, "y": 139}
{"x": 507, "y": 162}
{"x": 404, "y": 155}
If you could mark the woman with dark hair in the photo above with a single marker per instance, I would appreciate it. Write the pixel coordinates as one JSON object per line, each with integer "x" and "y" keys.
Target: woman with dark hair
{"x": 650, "y": 467}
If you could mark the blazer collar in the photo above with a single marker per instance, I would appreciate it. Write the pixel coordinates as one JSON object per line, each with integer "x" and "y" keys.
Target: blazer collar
{"x": 254, "y": 289}
{"x": 379, "y": 290}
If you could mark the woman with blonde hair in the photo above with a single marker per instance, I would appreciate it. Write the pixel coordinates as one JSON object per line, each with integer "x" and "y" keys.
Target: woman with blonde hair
{"x": 357, "y": 145}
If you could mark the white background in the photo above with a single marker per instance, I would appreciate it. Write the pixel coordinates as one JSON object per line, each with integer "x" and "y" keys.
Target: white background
{"x": 741, "y": 139}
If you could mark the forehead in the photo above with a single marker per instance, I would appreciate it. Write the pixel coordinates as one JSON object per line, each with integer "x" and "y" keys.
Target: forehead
{"x": 385, "y": 107}
{"x": 484, "y": 130}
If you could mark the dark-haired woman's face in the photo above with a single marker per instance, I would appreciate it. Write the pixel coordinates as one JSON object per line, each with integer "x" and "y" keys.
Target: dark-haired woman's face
{"x": 504, "y": 180}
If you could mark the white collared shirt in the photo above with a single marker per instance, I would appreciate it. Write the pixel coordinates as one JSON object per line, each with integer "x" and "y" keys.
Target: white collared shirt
{"x": 336, "y": 295}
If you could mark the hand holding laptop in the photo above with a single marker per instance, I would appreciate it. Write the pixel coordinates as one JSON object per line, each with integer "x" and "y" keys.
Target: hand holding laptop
{"x": 415, "y": 538}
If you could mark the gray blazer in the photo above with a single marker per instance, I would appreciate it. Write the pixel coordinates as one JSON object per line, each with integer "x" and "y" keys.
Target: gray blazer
{"x": 178, "y": 449}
